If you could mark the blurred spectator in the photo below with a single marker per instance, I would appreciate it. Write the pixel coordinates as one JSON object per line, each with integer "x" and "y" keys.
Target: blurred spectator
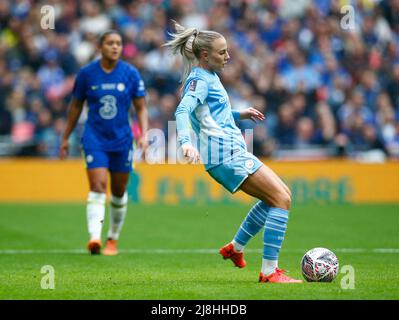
{"x": 93, "y": 20}
{"x": 67, "y": 60}
{"x": 354, "y": 110}
{"x": 393, "y": 86}
{"x": 285, "y": 129}
{"x": 49, "y": 139}
{"x": 263, "y": 144}
{"x": 370, "y": 89}
{"x": 393, "y": 144}
{"x": 385, "y": 117}
{"x": 325, "y": 124}
{"x": 16, "y": 104}
{"x": 304, "y": 133}
{"x": 301, "y": 77}
{"x": 5, "y": 122}
{"x": 50, "y": 74}
{"x": 300, "y": 105}
{"x": 371, "y": 140}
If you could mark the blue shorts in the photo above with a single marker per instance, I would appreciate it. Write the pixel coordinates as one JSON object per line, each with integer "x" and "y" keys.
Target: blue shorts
{"x": 233, "y": 173}
{"x": 115, "y": 161}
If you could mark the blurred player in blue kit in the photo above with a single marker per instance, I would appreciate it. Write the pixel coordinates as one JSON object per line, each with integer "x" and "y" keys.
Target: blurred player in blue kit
{"x": 205, "y": 104}
{"x": 109, "y": 86}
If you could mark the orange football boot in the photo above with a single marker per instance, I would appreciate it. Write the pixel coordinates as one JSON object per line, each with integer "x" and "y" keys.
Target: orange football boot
{"x": 94, "y": 246}
{"x": 278, "y": 276}
{"x": 228, "y": 252}
{"x": 110, "y": 248}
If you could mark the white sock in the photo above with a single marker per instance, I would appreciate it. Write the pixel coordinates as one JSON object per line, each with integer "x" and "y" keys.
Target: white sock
{"x": 237, "y": 247}
{"x": 268, "y": 266}
{"x": 95, "y": 211}
{"x": 117, "y": 213}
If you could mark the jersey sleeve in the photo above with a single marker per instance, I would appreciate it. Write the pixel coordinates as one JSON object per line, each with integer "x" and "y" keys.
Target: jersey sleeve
{"x": 236, "y": 115}
{"x": 198, "y": 88}
{"x": 182, "y": 114}
{"x": 79, "y": 88}
{"x": 138, "y": 89}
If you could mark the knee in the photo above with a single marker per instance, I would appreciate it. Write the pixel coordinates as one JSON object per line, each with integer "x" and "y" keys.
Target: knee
{"x": 118, "y": 190}
{"x": 289, "y": 198}
{"x": 119, "y": 193}
{"x": 117, "y": 200}
{"x": 98, "y": 186}
{"x": 281, "y": 200}
{"x": 286, "y": 201}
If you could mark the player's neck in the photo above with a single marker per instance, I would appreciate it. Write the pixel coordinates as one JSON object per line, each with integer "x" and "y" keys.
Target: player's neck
{"x": 108, "y": 65}
{"x": 205, "y": 67}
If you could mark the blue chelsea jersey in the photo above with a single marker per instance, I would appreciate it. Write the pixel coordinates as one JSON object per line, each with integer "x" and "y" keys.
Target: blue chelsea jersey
{"x": 109, "y": 97}
{"x": 212, "y": 120}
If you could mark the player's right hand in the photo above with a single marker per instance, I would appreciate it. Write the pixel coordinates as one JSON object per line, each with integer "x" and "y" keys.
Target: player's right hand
{"x": 252, "y": 114}
{"x": 64, "y": 148}
{"x": 190, "y": 153}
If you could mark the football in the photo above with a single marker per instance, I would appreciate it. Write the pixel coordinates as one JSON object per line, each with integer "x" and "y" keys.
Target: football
{"x": 319, "y": 265}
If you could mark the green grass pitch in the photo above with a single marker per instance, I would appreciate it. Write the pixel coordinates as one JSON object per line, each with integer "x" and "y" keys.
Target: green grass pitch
{"x": 170, "y": 252}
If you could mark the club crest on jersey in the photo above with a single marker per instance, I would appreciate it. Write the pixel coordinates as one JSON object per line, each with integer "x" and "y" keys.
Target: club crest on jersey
{"x": 120, "y": 86}
{"x": 222, "y": 99}
{"x": 193, "y": 85}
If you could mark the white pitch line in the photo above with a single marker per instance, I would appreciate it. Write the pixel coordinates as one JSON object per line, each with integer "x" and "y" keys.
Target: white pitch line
{"x": 188, "y": 251}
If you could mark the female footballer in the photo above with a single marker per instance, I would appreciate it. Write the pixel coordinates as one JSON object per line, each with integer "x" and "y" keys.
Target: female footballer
{"x": 222, "y": 149}
{"x": 109, "y": 86}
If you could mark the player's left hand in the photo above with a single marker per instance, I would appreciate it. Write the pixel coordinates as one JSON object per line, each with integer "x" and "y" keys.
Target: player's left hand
{"x": 142, "y": 143}
{"x": 252, "y": 114}
{"x": 64, "y": 148}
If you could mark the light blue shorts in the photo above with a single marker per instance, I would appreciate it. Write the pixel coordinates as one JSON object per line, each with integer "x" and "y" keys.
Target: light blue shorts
{"x": 233, "y": 173}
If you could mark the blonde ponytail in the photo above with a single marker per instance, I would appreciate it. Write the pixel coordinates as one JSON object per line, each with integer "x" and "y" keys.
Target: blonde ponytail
{"x": 189, "y": 43}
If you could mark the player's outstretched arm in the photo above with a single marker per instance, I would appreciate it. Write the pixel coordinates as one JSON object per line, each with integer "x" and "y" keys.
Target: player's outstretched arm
{"x": 185, "y": 107}
{"x": 248, "y": 113}
{"x": 75, "y": 109}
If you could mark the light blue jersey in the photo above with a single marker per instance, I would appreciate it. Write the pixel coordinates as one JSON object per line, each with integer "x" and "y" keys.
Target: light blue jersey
{"x": 211, "y": 118}
{"x": 222, "y": 147}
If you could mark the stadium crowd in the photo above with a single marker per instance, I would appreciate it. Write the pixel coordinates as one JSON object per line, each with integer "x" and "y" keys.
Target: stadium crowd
{"x": 324, "y": 83}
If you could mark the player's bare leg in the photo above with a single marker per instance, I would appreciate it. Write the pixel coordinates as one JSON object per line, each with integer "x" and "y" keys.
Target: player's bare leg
{"x": 96, "y": 207}
{"x": 256, "y": 218}
{"x": 265, "y": 185}
{"x": 118, "y": 209}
